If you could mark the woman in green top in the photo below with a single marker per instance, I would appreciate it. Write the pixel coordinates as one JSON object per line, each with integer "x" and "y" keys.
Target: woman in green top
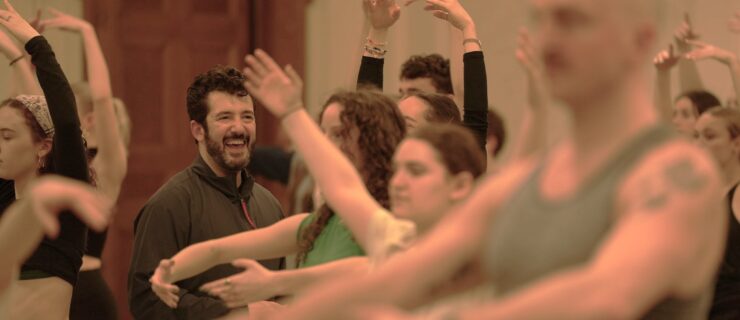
{"x": 366, "y": 126}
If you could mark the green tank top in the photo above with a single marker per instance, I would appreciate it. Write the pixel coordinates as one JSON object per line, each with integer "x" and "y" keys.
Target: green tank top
{"x": 532, "y": 238}
{"x": 335, "y": 242}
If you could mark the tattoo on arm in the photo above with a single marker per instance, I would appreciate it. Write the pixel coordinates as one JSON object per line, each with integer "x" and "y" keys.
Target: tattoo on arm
{"x": 680, "y": 177}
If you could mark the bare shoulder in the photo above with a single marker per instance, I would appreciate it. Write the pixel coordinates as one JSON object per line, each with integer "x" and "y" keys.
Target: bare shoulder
{"x": 677, "y": 174}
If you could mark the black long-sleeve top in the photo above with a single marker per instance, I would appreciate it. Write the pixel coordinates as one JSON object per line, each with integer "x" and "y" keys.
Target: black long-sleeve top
{"x": 61, "y": 257}
{"x": 475, "y": 105}
{"x": 193, "y": 206}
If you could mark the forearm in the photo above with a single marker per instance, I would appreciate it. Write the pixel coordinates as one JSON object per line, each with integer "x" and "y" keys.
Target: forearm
{"x": 533, "y": 138}
{"x": 475, "y": 115}
{"x": 23, "y": 78}
{"x": 97, "y": 69}
{"x": 688, "y": 76}
{"x": 196, "y": 259}
{"x": 573, "y": 294}
{"x": 371, "y": 68}
{"x": 291, "y": 282}
{"x": 111, "y": 150}
{"x": 341, "y": 184}
{"x": 144, "y": 304}
{"x": 734, "y": 66}
{"x": 270, "y": 242}
{"x": 470, "y": 32}
{"x": 663, "y": 96}
{"x": 69, "y": 152}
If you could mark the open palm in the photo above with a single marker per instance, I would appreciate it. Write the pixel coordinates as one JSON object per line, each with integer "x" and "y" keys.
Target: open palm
{"x": 280, "y": 91}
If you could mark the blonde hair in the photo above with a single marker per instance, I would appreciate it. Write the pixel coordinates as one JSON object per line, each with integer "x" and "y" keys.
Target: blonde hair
{"x": 123, "y": 120}
{"x": 85, "y": 106}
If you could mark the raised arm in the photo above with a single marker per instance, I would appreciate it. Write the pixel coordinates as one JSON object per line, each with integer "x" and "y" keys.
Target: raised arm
{"x": 111, "y": 158}
{"x": 381, "y": 14}
{"x": 475, "y": 82}
{"x": 664, "y": 61}
{"x": 406, "y": 277}
{"x": 69, "y": 152}
{"x": 688, "y": 74}
{"x": 341, "y": 184}
{"x": 277, "y": 240}
{"x": 24, "y": 82}
{"x": 704, "y": 50}
{"x": 684, "y": 219}
{"x": 533, "y": 138}
{"x": 257, "y": 283}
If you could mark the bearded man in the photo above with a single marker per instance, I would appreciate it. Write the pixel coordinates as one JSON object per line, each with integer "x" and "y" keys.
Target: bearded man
{"x": 213, "y": 198}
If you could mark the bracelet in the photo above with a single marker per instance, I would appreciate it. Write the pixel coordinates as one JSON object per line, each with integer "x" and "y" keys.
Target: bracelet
{"x": 12, "y": 62}
{"x": 475, "y": 40}
{"x": 375, "y": 52}
{"x": 375, "y": 44}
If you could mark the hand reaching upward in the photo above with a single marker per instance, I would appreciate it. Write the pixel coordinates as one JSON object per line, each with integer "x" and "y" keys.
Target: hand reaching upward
{"x": 15, "y": 24}
{"x": 280, "y": 91}
{"x": 382, "y": 14}
{"x": 62, "y": 21}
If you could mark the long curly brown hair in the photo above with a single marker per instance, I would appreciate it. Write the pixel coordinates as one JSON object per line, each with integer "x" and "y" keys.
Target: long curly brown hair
{"x": 381, "y": 127}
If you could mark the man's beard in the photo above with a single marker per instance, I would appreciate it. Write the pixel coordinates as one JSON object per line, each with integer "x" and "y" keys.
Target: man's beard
{"x": 217, "y": 151}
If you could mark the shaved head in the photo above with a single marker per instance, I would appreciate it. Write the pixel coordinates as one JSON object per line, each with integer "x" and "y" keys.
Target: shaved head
{"x": 594, "y": 46}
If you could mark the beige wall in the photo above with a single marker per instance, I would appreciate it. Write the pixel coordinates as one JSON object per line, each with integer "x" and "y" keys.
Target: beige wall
{"x": 68, "y": 47}
{"x": 335, "y": 32}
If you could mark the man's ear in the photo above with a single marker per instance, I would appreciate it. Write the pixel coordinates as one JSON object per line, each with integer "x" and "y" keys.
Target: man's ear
{"x": 198, "y": 131}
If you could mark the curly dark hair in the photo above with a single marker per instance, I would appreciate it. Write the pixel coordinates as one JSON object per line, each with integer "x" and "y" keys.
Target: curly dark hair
{"x": 431, "y": 66}
{"x": 381, "y": 127}
{"x": 442, "y": 109}
{"x": 701, "y": 99}
{"x": 220, "y": 78}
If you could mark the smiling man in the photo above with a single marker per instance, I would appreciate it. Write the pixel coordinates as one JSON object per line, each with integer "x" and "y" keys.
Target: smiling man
{"x": 213, "y": 198}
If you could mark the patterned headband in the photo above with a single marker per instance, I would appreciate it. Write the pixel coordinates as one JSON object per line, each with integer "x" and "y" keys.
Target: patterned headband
{"x": 40, "y": 110}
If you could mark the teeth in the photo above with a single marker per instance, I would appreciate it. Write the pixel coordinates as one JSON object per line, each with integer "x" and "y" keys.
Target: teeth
{"x": 235, "y": 142}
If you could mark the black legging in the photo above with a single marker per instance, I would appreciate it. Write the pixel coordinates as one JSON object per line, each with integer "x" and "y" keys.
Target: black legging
{"x": 92, "y": 299}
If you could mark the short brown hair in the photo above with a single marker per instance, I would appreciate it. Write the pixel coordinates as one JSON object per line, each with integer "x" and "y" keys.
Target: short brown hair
{"x": 431, "y": 66}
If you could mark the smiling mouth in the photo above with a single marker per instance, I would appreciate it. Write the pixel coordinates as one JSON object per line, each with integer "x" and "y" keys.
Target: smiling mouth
{"x": 234, "y": 143}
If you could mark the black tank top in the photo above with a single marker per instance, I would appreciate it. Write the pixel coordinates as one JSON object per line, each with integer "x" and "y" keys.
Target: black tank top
{"x": 726, "y": 303}
{"x": 95, "y": 240}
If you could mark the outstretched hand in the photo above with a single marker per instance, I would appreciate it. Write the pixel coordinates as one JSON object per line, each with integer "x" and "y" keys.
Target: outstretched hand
{"x": 449, "y": 10}
{"x": 251, "y": 285}
{"x": 52, "y": 195}
{"x": 666, "y": 59}
{"x": 7, "y": 47}
{"x": 62, "y": 21}
{"x": 382, "y": 14}
{"x": 528, "y": 58}
{"x": 685, "y": 33}
{"x": 15, "y": 24}
{"x": 702, "y": 50}
{"x": 280, "y": 91}
{"x": 162, "y": 284}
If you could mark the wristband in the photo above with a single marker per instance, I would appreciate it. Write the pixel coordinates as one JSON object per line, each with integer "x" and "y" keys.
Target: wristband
{"x": 475, "y": 40}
